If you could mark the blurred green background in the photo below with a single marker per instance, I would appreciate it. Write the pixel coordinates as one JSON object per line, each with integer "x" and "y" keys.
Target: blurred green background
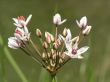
{"x": 95, "y": 67}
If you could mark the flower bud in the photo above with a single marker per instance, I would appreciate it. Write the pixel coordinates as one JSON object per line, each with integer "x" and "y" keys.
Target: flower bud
{"x": 45, "y": 45}
{"x": 64, "y": 32}
{"x": 38, "y": 33}
{"x": 55, "y": 45}
{"x": 87, "y": 30}
{"x": 43, "y": 55}
{"x": 57, "y": 19}
{"x": 83, "y": 22}
{"x": 58, "y": 42}
{"x": 52, "y": 63}
{"x": 61, "y": 61}
{"x": 48, "y": 37}
{"x": 52, "y": 38}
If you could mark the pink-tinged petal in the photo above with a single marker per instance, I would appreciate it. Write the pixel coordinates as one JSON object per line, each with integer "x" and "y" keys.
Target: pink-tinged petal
{"x": 28, "y": 19}
{"x": 20, "y": 31}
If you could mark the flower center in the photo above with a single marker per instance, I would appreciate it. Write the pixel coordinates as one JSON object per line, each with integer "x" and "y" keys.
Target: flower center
{"x": 74, "y": 51}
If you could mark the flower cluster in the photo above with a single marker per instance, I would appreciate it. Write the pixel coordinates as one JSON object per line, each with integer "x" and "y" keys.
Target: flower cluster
{"x": 57, "y": 49}
{"x": 21, "y": 35}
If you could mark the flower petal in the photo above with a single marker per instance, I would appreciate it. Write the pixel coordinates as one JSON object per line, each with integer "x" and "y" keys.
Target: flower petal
{"x": 83, "y": 21}
{"x": 28, "y": 19}
{"x": 82, "y": 50}
{"x": 68, "y": 37}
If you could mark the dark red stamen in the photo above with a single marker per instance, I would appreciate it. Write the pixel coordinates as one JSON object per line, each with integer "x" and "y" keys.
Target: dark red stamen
{"x": 74, "y": 51}
{"x": 21, "y": 18}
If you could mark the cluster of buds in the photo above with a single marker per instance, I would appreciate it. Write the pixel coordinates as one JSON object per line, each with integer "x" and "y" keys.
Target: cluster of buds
{"x": 57, "y": 49}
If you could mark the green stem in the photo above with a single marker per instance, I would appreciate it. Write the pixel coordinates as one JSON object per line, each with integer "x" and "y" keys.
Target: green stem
{"x": 54, "y": 79}
{"x": 35, "y": 47}
{"x": 2, "y": 67}
{"x": 14, "y": 64}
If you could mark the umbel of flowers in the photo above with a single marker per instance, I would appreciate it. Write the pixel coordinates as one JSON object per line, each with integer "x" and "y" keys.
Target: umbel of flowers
{"x": 57, "y": 49}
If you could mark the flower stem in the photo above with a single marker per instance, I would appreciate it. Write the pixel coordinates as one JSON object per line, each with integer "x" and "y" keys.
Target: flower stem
{"x": 56, "y": 33}
{"x": 35, "y": 47}
{"x": 54, "y": 79}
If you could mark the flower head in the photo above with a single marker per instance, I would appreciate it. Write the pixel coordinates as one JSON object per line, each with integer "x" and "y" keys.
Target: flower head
{"x": 83, "y": 22}
{"x": 21, "y": 22}
{"x": 14, "y": 43}
{"x": 57, "y": 19}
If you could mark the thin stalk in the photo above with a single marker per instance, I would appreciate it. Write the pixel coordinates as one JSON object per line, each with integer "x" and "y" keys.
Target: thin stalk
{"x": 2, "y": 63}
{"x": 27, "y": 53}
{"x": 63, "y": 63}
{"x": 56, "y": 33}
{"x": 14, "y": 65}
{"x": 47, "y": 56}
{"x": 35, "y": 47}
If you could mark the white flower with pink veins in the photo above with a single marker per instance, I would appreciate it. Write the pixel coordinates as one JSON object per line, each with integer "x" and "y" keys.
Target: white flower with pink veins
{"x": 74, "y": 52}
{"x": 14, "y": 43}
{"x": 22, "y": 34}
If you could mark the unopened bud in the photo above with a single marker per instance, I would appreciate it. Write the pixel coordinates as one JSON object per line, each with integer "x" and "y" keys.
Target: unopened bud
{"x": 60, "y": 61}
{"x": 58, "y": 42}
{"x": 52, "y": 63}
{"x": 52, "y": 38}
{"x": 43, "y": 55}
{"x": 64, "y": 32}
{"x": 45, "y": 45}
{"x": 87, "y": 30}
{"x": 55, "y": 45}
{"x": 38, "y": 33}
{"x": 48, "y": 37}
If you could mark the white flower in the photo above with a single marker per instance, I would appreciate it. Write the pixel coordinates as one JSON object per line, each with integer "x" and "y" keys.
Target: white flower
{"x": 83, "y": 22}
{"x": 87, "y": 30}
{"x": 74, "y": 52}
{"x": 14, "y": 43}
{"x": 67, "y": 40}
{"x": 57, "y": 19}
{"x": 22, "y": 34}
{"x": 21, "y": 22}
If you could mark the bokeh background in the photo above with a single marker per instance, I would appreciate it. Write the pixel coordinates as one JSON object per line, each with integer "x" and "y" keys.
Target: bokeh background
{"x": 95, "y": 67}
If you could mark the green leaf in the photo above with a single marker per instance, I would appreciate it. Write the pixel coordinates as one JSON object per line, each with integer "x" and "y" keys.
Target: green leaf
{"x": 14, "y": 65}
